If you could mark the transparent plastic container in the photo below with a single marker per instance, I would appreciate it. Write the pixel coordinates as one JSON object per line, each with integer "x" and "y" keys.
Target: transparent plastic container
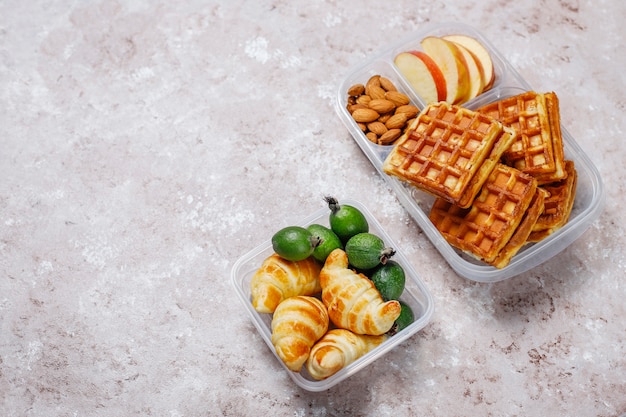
{"x": 589, "y": 195}
{"x": 416, "y": 295}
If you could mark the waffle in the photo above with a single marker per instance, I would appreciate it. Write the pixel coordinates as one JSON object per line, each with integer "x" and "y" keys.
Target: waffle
{"x": 558, "y": 204}
{"x": 520, "y": 237}
{"x": 449, "y": 152}
{"x": 538, "y": 149}
{"x": 484, "y": 229}
{"x": 560, "y": 172}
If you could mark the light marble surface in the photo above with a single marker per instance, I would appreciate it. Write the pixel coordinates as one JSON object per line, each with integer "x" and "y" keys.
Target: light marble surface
{"x": 146, "y": 145}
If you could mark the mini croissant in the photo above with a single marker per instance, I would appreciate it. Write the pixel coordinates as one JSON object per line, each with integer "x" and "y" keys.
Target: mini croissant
{"x": 337, "y": 349}
{"x": 278, "y": 279}
{"x": 352, "y": 299}
{"x": 297, "y": 324}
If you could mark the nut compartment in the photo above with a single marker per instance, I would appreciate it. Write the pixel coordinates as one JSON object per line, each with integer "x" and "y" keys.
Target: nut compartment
{"x": 590, "y": 192}
{"x": 416, "y": 295}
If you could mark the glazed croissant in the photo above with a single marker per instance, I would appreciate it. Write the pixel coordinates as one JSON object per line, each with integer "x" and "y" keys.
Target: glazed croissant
{"x": 297, "y": 324}
{"x": 352, "y": 300}
{"x": 278, "y": 279}
{"x": 339, "y": 348}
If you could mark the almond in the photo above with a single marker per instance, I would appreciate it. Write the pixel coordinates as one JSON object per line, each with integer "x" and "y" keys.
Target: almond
{"x": 363, "y": 99}
{"x": 377, "y": 127}
{"x": 389, "y": 136}
{"x": 365, "y": 115}
{"x": 381, "y": 105}
{"x": 397, "y": 121}
{"x": 375, "y": 92}
{"x": 374, "y": 80}
{"x": 384, "y": 117}
{"x": 398, "y": 98}
{"x": 372, "y": 137}
{"x": 410, "y": 110}
{"x": 356, "y": 90}
{"x": 386, "y": 84}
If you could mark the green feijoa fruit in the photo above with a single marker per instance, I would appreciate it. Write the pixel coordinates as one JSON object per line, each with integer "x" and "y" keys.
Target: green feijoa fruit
{"x": 328, "y": 241}
{"x": 405, "y": 318}
{"x": 366, "y": 251}
{"x": 345, "y": 220}
{"x": 294, "y": 243}
{"x": 389, "y": 280}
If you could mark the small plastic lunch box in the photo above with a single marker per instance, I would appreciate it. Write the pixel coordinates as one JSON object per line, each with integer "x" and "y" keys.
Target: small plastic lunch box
{"x": 415, "y": 294}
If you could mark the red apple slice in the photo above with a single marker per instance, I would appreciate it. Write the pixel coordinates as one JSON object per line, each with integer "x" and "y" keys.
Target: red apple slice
{"x": 475, "y": 71}
{"x": 479, "y": 50}
{"x": 423, "y": 75}
{"x": 452, "y": 64}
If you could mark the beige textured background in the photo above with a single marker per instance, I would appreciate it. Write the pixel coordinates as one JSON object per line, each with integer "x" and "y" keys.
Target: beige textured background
{"x": 146, "y": 145}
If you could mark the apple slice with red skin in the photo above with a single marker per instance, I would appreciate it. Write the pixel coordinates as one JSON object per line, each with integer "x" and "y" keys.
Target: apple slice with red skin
{"x": 475, "y": 72}
{"x": 423, "y": 75}
{"x": 452, "y": 64}
{"x": 480, "y": 52}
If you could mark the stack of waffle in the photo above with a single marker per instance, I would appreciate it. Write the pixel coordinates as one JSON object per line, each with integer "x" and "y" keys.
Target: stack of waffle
{"x": 498, "y": 173}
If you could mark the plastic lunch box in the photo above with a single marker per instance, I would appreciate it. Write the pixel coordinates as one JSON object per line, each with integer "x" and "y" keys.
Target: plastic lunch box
{"x": 589, "y": 196}
{"x": 416, "y": 295}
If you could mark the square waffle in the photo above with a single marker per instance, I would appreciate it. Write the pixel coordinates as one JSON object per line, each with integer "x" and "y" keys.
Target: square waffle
{"x": 520, "y": 237}
{"x": 558, "y": 204}
{"x": 538, "y": 149}
{"x": 449, "y": 152}
{"x": 483, "y": 229}
{"x": 554, "y": 116}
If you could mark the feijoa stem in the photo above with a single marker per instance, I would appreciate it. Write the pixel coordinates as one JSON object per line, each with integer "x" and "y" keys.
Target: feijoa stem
{"x": 316, "y": 241}
{"x": 333, "y": 204}
{"x": 386, "y": 254}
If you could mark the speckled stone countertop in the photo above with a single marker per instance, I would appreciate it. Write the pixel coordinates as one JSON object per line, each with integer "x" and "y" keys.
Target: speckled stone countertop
{"x": 147, "y": 145}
